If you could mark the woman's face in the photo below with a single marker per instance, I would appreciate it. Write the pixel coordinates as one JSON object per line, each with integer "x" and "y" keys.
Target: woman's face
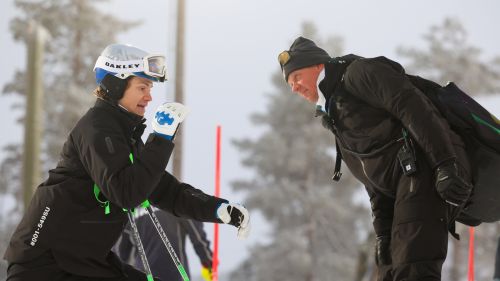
{"x": 137, "y": 95}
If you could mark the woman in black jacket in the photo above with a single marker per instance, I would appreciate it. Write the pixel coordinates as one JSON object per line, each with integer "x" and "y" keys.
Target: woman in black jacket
{"x": 78, "y": 213}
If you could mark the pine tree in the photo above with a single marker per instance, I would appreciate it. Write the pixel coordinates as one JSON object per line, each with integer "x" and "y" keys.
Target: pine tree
{"x": 316, "y": 225}
{"x": 78, "y": 32}
{"x": 449, "y": 57}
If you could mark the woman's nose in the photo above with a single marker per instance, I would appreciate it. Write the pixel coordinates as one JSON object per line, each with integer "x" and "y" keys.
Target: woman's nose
{"x": 148, "y": 96}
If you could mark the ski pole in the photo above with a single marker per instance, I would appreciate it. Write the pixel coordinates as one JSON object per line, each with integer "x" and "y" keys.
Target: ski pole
{"x": 471, "y": 254}
{"x": 140, "y": 247}
{"x": 215, "y": 259}
{"x": 165, "y": 241}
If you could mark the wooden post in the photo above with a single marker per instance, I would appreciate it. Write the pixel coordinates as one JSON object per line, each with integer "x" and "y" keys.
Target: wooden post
{"x": 34, "y": 117}
{"x": 179, "y": 85}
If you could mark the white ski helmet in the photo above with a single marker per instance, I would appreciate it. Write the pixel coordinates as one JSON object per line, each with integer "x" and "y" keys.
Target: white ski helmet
{"x": 123, "y": 61}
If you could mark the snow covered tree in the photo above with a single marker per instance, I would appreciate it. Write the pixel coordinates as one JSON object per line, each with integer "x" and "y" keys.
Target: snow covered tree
{"x": 316, "y": 227}
{"x": 449, "y": 57}
{"x": 78, "y": 32}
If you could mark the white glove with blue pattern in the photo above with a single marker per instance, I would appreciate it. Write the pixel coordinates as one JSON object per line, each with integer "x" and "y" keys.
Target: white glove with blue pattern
{"x": 167, "y": 119}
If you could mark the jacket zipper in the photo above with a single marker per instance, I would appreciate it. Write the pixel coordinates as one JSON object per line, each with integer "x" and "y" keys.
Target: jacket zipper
{"x": 368, "y": 178}
{"x": 339, "y": 136}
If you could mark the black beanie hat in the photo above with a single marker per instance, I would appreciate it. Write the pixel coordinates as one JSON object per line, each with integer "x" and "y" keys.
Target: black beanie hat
{"x": 303, "y": 53}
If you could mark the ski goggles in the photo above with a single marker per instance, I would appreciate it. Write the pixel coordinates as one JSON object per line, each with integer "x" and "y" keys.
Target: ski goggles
{"x": 283, "y": 58}
{"x": 151, "y": 65}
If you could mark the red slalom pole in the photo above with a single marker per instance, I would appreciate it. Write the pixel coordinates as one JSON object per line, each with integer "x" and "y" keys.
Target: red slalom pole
{"x": 471, "y": 254}
{"x": 215, "y": 258}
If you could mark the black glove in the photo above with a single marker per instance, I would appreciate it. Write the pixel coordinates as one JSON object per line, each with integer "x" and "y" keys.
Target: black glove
{"x": 450, "y": 185}
{"x": 237, "y": 215}
{"x": 383, "y": 250}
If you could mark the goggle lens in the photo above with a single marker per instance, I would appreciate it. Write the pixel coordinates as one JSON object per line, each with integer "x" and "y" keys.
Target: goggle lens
{"x": 283, "y": 58}
{"x": 156, "y": 66}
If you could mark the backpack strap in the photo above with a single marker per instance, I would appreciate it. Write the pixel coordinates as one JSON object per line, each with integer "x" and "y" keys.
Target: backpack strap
{"x": 338, "y": 163}
{"x": 329, "y": 123}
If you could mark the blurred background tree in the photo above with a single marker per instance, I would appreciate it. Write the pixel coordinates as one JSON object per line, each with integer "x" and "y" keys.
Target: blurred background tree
{"x": 450, "y": 57}
{"x": 78, "y": 33}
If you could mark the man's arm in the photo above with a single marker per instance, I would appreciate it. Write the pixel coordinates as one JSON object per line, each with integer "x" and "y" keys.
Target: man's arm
{"x": 198, "y": 238}
{"x": 383, "y": 84}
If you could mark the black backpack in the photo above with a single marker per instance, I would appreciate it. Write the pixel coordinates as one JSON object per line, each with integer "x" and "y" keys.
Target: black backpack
{"x": 480, "y": 131}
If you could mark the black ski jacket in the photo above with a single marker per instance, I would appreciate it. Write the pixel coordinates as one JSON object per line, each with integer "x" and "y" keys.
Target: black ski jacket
{"x": 370, "y": 101}
{"x": 68, "y": 218}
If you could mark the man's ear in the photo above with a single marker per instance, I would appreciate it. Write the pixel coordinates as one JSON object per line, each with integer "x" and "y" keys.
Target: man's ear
{"x": 320, "y": 66}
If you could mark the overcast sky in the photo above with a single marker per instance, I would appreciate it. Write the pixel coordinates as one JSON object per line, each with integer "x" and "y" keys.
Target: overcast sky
{"x": 232, "y": 48}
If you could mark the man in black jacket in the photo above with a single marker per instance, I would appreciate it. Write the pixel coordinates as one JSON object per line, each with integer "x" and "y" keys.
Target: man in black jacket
{"x": 392, "y": 138}
{"x": 105, "y": 171}
{"x": 177, "y": 230}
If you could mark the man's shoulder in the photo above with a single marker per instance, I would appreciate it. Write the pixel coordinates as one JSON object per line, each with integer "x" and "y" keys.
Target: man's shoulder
{"x": 364, "y": 65}
{"x": 373, "y": 61}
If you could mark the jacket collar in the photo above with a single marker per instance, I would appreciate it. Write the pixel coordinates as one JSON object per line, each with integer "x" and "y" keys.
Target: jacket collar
{"x": 130, "y": 122}
{"x": 334, "y": 74}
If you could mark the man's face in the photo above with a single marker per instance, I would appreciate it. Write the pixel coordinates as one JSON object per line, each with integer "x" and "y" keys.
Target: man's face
{"x": 137, "y": 95}
{"x": 304, "y": 82}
